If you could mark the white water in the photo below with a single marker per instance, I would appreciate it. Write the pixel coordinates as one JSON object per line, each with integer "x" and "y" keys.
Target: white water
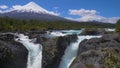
{"x": 110, "y": 29}
{"x": 63, "y": 32}
{"x": 69, "y": 32}
{"x": 35, "y": 51}
{"x": 57, "y": 33}
{"x": 71, "y": 51}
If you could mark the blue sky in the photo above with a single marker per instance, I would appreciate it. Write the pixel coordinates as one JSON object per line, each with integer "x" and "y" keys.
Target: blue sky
{"x": 103, "y": 8}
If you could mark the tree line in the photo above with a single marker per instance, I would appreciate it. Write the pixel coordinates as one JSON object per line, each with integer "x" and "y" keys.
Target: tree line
{"x": 11, "y": 24}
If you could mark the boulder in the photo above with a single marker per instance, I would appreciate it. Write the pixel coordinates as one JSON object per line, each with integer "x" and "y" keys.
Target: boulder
{"x": 12, "y": 53}
{"x": 99, "y": 52}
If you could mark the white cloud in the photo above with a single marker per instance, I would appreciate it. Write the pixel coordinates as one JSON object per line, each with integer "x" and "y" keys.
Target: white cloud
{"x": 3, "y": 6}
{"x": 55, "y": 7}
{"x": 55, "y": 10}
{"x": 54, "y": 13}
{"x": 83, "y": 12}
{"x": 16, "y": 7}
{"x": 90, "y": 15}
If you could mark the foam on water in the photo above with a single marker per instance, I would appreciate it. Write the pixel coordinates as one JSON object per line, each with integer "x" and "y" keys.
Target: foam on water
{"x": 63, "y": 32}
{"x": 34, "y": 51}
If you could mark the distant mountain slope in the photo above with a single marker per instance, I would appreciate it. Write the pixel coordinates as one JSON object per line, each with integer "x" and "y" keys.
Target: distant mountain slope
{"x": 32, "y": 11}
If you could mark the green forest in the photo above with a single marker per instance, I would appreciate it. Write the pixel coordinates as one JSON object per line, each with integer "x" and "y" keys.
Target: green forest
{"x": 118, "y": 26}
{"x": 11, "y": 24}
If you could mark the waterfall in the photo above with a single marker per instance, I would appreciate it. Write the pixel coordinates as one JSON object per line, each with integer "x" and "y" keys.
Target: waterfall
{"x": 71, "y": 52}
{"x": 34, "y": 51}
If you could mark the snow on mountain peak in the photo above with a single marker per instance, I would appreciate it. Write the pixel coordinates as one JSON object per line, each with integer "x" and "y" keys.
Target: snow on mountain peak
{"x": 30, "y": 7}
{"x": 34, "y": 7}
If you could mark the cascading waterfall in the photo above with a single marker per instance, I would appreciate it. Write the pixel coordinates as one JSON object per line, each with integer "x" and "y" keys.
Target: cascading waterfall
{"x": 34, "y": 51}
{"x": 71, "y": 51}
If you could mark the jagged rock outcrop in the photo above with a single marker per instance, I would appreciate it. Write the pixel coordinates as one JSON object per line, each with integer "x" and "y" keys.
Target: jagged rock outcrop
{"x": 53, "y": 49}
{"x": 12, "y": 54}
{"x": 101, "y": 52}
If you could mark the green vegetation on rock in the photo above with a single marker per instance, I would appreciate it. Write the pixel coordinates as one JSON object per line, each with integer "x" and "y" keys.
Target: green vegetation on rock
{"x": 89, "y": 66}
{"x": 90, "y": 31}
{"x": 118, "y": 26}
{"x": 112, "y": 60}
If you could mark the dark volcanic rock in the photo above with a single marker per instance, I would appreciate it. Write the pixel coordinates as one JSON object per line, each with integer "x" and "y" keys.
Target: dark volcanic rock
{"x": 109, "y": 40}
{"x": 6, "y": 56}
{"x": 53, "y": 50}
{"x": 12, "y": 54}
{"x": 101, "y": 52}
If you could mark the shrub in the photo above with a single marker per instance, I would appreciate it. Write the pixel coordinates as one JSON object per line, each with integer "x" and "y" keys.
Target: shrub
{"x": 118, "y": 26}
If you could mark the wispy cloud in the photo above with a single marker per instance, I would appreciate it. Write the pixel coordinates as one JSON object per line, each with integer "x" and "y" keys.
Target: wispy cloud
{"x": 55, "y": 7}
{"x": 83, "y": 12}
{"x": 90, "y": 15}
{"x": 3, "y": 6}
{"x": 55, "y": 10}
{"x": 16, "y": 7}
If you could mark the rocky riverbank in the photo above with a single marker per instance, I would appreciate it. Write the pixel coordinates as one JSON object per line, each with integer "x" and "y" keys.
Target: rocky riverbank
{"x": 12, "y": 54}
{"x": 101, "y": 52}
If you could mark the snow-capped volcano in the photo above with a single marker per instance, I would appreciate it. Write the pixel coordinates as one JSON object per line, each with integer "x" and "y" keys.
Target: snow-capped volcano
{"x": 31, "y": 11}
{"x": 32, "y": 7}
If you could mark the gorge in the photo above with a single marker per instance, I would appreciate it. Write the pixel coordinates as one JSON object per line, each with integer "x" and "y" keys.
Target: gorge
{"x": 37, "y": 50}
{"x": 59, "y": 34}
